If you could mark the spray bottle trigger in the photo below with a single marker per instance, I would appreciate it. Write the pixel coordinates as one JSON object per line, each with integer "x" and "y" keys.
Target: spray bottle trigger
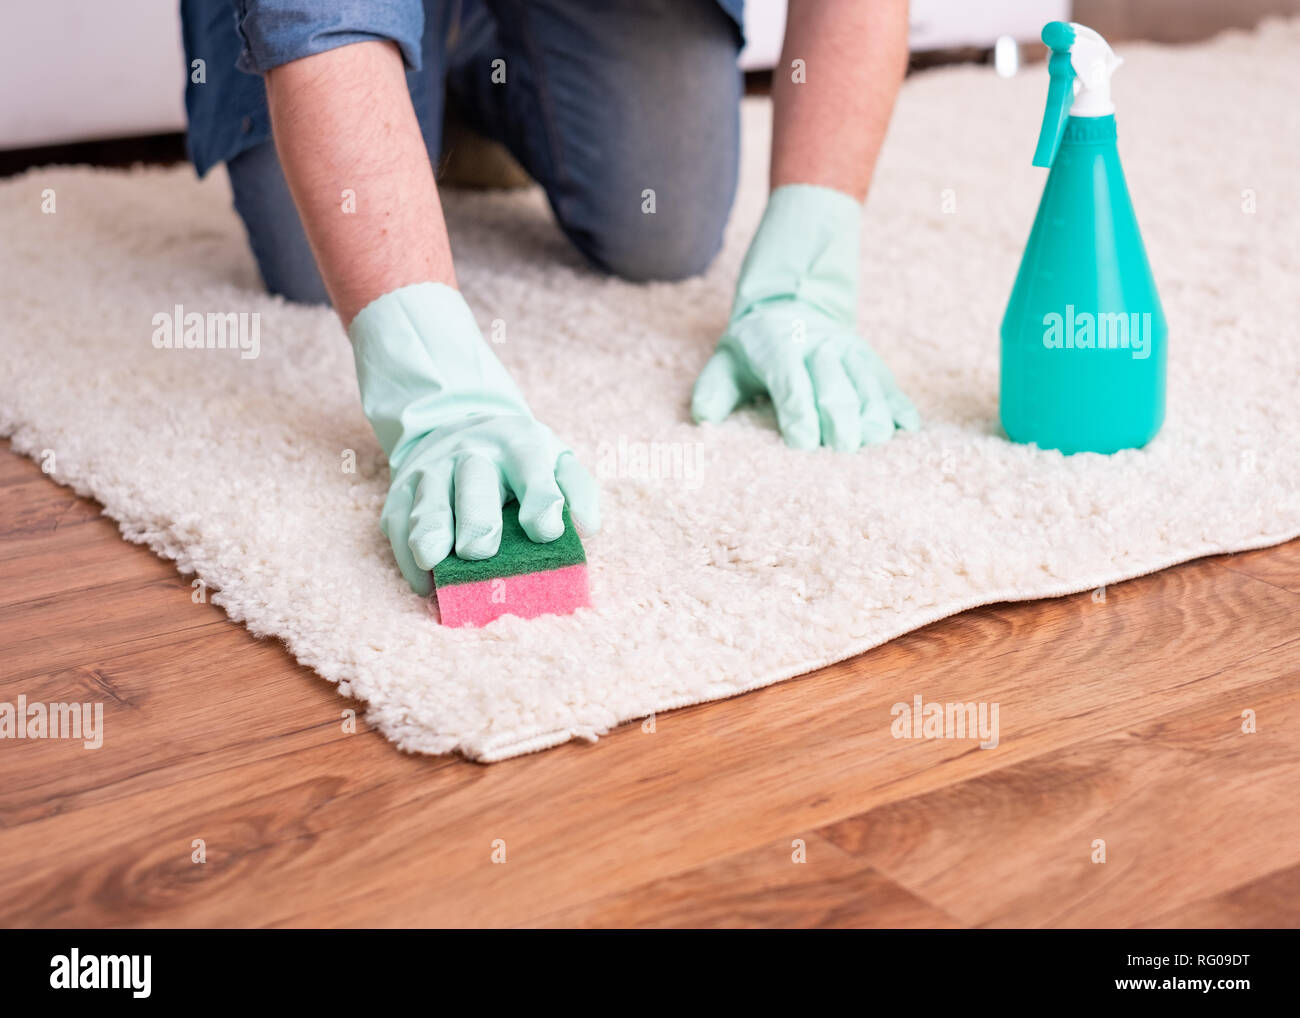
{"x": 1059, "y": 37}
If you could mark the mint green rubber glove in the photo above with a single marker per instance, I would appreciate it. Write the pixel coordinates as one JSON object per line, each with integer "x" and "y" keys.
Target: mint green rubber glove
{"x": 461, "y": 441}
{"x": 792, "y": 335}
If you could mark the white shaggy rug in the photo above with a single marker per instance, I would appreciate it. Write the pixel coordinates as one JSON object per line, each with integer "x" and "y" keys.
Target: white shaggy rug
{"x": 752, "y": 562}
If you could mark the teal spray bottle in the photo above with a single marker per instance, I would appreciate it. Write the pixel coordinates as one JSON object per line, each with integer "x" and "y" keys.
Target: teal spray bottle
{"x": 1083, "y": 338}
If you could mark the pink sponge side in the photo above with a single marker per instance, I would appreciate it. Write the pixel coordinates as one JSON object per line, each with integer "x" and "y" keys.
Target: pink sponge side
{"x": 528, "y": 595}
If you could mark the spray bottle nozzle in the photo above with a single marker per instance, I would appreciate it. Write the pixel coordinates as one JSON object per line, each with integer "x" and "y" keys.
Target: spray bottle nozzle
{"x": 1080, "y": 68}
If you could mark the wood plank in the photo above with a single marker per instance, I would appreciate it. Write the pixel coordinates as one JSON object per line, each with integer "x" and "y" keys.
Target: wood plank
{"x": 35, "y": 507}
{"x": 764, "y": 888}
{"x": 74, "y": 553}
{"x": 15, "y": 468}
{"x": 1180, "y": 801}
{"x": 84, "y": 625}
{"x": 169, "y": 718}
{"x": 1279, "y": 565}
{"x": 1270, "y": 902}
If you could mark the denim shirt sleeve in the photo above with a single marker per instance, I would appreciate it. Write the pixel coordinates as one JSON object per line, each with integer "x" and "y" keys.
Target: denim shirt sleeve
{"x": 226, "y": 105}
{"x": 274, "y": 32}
{"x": 736, "y": 8}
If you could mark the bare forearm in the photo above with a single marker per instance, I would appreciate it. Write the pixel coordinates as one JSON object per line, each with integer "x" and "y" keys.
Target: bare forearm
{"x": 355, "y": 160}
{"x": 828, "y": 129}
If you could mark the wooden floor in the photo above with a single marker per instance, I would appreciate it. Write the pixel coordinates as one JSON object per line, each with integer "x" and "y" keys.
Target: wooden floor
{"x": 1120, "y": 723}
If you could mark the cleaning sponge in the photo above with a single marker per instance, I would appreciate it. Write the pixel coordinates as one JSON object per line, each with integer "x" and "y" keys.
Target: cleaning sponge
{"x": 522, "y": 578}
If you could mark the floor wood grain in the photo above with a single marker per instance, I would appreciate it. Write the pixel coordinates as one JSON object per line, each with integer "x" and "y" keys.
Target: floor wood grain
{"x": 1120, "y": 721}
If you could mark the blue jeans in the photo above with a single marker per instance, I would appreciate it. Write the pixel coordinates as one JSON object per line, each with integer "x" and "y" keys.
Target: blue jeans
{"x": 603, "y": 101}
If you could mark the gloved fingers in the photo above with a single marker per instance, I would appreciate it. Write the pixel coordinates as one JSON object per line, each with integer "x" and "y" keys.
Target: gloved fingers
{"x": 717, "y": 390}
{"x": 395, "y": 522}
{"x": 478, "y": 507}
{"x": 906, "y": 416}
{"x": 901, "y": 408}
{"x": 787, "y": 382}
{"x": 430, "y": 515}
{"x": 531, "y": 476}
{"x": 877, "y": 417}
{"x": 580, "y": 491}
{"x": 838, "y": 406}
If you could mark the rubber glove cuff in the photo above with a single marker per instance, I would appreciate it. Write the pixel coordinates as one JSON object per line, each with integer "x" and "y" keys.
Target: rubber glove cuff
{"x": 805, "y": 249}
{"x": 422, "y": 363}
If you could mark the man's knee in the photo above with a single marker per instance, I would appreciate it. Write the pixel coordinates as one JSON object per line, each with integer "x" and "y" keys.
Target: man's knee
{"x": 662, "y": 242}
{"x": 649, "y": 154}
{"x": 658, "y": 206}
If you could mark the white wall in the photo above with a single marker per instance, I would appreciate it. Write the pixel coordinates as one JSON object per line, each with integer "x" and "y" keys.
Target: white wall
{"x": 74, "y": 70}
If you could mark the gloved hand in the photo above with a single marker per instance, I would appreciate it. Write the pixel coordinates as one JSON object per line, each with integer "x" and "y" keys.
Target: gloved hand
{"x": 792, "y": 336}
{"x": 460, "y": 439}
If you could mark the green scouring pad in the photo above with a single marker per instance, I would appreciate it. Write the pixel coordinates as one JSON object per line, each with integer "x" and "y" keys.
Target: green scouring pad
{"x": 523, "y": 578}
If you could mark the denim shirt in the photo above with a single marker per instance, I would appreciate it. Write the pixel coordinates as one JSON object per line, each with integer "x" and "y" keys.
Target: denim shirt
{"x": 239, "y": 40}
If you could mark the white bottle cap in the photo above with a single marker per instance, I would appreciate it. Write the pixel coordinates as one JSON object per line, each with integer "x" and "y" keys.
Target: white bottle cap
{"x": 1094, "y": 62}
